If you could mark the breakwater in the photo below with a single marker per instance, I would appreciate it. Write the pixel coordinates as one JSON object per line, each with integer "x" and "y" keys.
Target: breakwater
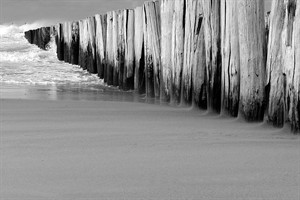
{"x": 224, "y": 56}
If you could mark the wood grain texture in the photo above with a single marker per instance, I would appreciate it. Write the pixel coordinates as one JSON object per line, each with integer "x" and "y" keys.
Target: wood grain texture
{"x": 67, "y": 35}
{"x": 115, "y": 49}
{"x": 139, "y": 75}
{"x": 100, "y": 21}
{"x": 211, "y": 10}
{"x": 283, "y": 64}
{"x": 252, "y": 58}
{"x": 192, "y": 48}
{"x": 230, "y": 57}
{"x": 109, "y": 50}
{"x": 83, "y": 43}
{"x": 74, "y": 46}
{"x": 167, "y": 12}
{"x": 178, "y": 32}
{"x": 91, "y": 48}
{"x": 152, "y": 36}
{"x": 128, "y": 77}
{"x": 294, "y": 113}
{"x": 121, "y": 47}
{"x": 199, "y": 80}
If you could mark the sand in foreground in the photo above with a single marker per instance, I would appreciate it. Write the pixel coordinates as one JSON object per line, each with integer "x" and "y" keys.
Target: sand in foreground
{"x": 83, "y": 150}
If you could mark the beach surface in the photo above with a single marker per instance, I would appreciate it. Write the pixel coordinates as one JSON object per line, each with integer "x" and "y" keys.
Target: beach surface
{"x": 69, "y": 149}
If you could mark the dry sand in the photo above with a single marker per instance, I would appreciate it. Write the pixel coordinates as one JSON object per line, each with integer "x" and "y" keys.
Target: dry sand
{"x": 88, "y": 150}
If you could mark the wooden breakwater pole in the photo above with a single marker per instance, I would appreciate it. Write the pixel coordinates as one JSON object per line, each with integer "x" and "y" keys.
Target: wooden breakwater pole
{"x": 224, "y": 56}
{"x": 243, "y": 58}
{"x": 100, "y": 35}
{"x": 40, "y": 37}
{"x": 283, "y": 64}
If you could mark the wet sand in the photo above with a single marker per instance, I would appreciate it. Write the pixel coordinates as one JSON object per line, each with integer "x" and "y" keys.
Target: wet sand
{"x": 68, "y": 149}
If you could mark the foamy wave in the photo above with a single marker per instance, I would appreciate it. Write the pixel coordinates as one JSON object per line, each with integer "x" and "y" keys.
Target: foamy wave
{"x": 12, "y": 30}
{"x": 23, "y": 63}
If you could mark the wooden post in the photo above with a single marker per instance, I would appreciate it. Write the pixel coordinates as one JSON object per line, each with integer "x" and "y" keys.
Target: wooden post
{"x": 267, "y": 25}
{"x": 60, "y": 42}
{"x": 100, "y": 43}
{"x": 121, "y": 46}
{"x": 252, "y": 58}
{"x": 152, "y": 36}
{"x": 83, "y": 38}
{"x": 109, "y": 50}
{"x": 139, "y": 80}
{"x": 35, "y": 37}
{"x": 211, "y": 10}
{"x": 199, "y": 81}
{"x": 294, "y": 113}
{"x": 283, "y": 75}
{"x": 128, "y": 77}
{"x": 74, "y": 48}
{"x": 91, "y": 48}
{"x": 115, "y": 48}
{"x": 67, "y": 35}
{"x": 28, "y": 36}
{"x": 230, "y": 57}
{"x": 178, "y": 32}
{"x": 167, "y": 12}
{"x": 190, "y": 22}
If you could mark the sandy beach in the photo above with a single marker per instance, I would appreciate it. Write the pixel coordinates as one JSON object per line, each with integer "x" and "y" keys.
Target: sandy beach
{"x": 87, "y": 150}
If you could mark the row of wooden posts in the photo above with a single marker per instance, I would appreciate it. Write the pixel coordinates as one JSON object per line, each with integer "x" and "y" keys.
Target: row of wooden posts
{"x": 222, "y": 56}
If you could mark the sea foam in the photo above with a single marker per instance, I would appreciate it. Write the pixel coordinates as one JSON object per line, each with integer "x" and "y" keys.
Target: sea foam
{"x": 24, "y": 63}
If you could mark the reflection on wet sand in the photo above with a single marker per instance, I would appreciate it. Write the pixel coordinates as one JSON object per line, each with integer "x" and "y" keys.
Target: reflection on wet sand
{"x": 68, "y": 92}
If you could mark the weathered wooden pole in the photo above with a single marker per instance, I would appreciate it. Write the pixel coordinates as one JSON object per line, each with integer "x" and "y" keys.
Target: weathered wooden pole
{"x": 59, "y": 46}
{"x": 199, "y": 79}
{"x": 294, "y": 113}
{"x": 67, "y": 35}
{"x": 139, "y": 80}
{"x": 91, "y": 48}
{"x": 115, "y": 48}
{"x": 230, "y": 57}
{"x": 83, "y": 43}
{"x": 43, "y": 37}
{"x": 60, "y": 42}
{"x": 267, "y": 25}
{"x": 152, "y": 35}
{"x": 192, "y": 20}
{"x": 121, "y": 46}
{"x": 178, "y": 32}
{"x": 251, "y": 25}
{"x": 276, "y": 78}
{"x": 100, "y": 43}
{"x": 211, "y": 11}
{"x": 166, "y": 12}
{"x": 109, "y": 50}
{"x": 28, "y": 36}
{"x": 283, "y": 64}
{"x": 128, "y": 77}
{"x": 35, "y": 37}
{"x": 74, "y": 48}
